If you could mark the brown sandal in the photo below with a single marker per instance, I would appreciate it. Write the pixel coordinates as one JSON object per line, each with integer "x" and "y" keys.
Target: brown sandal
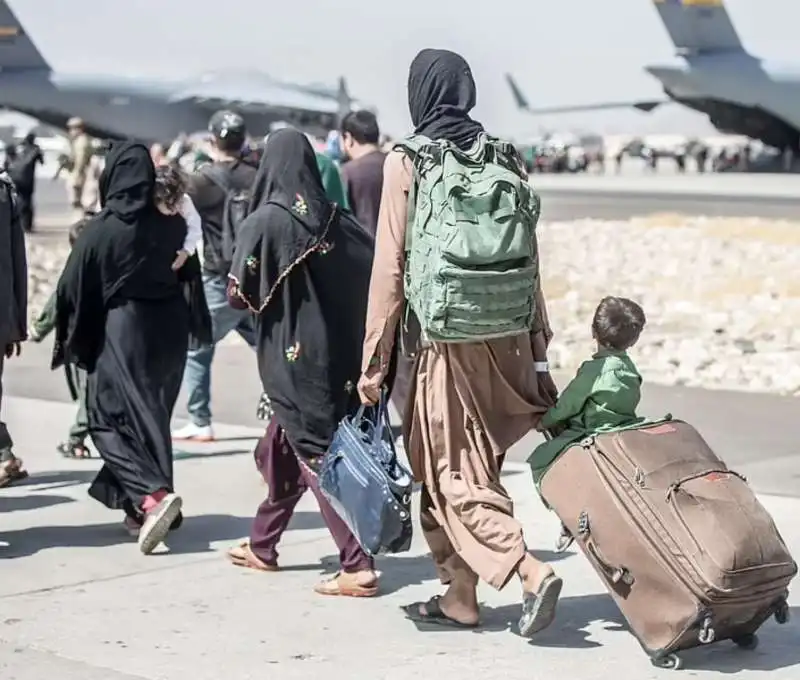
{"x": 12, "y": 471}
{"x": 342, "y": 584}
{"x": 243, "y": 556}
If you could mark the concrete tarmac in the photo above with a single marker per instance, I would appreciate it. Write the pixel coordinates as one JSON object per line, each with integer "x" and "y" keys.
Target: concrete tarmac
{"x": 78, "y": 601}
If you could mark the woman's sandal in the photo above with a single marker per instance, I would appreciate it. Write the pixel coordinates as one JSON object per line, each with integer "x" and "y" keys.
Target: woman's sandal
{"x": 243, "y": 556}
{"x": 539, "y": 608}
{"x": 74, "y": 450}
{"x": 433, "y": 614}
{"x": 12, "y": 471}
{"x": 342, "y": 584}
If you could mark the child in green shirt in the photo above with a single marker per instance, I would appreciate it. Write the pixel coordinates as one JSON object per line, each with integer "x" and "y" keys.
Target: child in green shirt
{"x": 604, "y": 394}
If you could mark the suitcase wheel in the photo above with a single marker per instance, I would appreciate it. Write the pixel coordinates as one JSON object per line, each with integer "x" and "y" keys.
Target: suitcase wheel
{"x": 782, "y": 613}
{"x": 748, "y": 642}
{"x": 670, "y": 662}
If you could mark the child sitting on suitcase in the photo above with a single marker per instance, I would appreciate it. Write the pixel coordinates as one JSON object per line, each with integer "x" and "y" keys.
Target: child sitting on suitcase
{"x": 604, "y": 394}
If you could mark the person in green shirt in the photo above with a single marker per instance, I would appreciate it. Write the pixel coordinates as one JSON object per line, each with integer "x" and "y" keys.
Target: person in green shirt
{"x": 332, "y": 181}
{"x": 604, "y": 394}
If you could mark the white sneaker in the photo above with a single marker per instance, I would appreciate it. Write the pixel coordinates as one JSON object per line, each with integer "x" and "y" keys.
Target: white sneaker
{"x": 194, "y": 433}
{"x": 158, "y": 521}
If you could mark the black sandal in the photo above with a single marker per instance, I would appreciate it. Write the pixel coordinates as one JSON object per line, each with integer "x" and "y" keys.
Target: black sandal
{"x": 539, "y": 609}
{"x": 433, "y": 614}
{"x": 74, "y": 450}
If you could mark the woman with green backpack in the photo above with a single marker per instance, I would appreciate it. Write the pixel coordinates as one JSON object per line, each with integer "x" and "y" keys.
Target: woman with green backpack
{"x": 456, "y": 258}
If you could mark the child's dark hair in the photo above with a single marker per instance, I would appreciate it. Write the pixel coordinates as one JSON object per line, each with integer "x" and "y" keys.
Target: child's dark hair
{"x": 618, "y": 323}
{"x": 170, "y": 185}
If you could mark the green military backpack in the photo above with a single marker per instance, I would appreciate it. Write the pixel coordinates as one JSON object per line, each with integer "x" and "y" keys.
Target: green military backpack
{"x": 471, "y": 263}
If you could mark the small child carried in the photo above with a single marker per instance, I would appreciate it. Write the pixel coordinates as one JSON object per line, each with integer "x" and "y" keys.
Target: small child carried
{"x": 171, "y": 199}
{"x": 604, "y": 394}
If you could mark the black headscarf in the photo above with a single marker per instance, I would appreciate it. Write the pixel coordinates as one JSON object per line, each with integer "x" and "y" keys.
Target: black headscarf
{"x": 289, "y": 176}
{"x": 106, "y": 254}
{"x": 127, "y": 182}
{"x": 441, "y": 93}
{"x": 304, "y": 268}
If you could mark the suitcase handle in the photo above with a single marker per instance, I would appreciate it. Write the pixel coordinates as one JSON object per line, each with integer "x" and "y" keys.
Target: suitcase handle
{"x": 615, "y": 574}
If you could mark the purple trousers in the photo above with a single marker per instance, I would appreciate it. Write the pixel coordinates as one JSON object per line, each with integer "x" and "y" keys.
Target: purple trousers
{"x": 288, "y": 480}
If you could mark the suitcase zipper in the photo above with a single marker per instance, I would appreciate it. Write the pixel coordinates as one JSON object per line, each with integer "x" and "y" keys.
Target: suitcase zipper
{"x": 695, "y": 582}
{"x": 670, "y": 500}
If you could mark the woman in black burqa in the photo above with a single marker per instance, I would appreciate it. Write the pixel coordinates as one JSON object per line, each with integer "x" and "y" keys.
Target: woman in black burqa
{"x": 122, "y": 315}
{"x": 303, "y": 267}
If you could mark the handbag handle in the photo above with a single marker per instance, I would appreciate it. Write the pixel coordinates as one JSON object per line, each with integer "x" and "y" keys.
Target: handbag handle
{"x": 381, "y": 416}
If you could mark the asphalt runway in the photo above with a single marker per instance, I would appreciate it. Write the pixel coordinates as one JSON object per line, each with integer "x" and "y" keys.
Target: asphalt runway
{"x": 758, "y": 434}
{"x": 570, "y": 204}
{"x": 559, "y": 202}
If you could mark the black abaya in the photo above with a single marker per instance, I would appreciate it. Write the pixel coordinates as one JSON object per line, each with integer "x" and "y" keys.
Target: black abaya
{"x": 122, "y": 314}
{"x": 131, "y": 395}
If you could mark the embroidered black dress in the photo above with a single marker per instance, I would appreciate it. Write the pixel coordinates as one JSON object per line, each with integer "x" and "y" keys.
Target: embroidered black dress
{"x": 303, "y": 266}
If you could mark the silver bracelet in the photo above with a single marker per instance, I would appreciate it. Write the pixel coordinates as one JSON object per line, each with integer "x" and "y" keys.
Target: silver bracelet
{"x": 541, "y": 366}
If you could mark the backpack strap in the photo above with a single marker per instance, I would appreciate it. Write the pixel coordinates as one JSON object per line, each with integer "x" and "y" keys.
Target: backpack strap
{"x": 219, "y": 175}
{"x": 415, "y": 147}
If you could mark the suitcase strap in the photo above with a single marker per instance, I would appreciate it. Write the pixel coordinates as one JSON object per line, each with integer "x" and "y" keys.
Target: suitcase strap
{"x": 615, "y": 574}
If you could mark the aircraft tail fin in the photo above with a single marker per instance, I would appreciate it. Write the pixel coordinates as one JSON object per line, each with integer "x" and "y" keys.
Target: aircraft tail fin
{"x": 17, "y": 50}
{"x": 343, "y": 98}
{"x": 519, "y": 97}
{"x": 699, "y": 26}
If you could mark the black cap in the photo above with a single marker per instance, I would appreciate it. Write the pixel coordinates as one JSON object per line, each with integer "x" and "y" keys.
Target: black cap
{"x": 227, "y": 125}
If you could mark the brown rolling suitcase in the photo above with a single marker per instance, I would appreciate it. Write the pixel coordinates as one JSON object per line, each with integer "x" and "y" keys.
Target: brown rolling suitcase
{"x": 685, "y": 548}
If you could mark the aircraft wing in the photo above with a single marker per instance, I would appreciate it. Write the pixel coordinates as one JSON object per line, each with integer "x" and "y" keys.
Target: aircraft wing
{"x": 253, "y": 93}
{"x": 645, "y": 106}
{"x": 522, "y": 103}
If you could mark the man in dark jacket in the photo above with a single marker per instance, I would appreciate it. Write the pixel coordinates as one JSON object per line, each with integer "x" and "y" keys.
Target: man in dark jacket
{"x": 23, "y": 172}
{"x": 209, "y": 198}
{"x": 13, "y": 311}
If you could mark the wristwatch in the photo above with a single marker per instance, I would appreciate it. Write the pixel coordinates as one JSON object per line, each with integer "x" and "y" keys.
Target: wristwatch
{"x": 541, "y": 366}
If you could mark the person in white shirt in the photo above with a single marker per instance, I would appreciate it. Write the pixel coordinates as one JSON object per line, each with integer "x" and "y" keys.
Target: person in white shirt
{"x": 171, "y": 199}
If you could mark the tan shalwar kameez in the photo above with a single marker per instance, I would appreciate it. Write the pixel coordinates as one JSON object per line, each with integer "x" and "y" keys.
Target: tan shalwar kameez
{"x": 468, "y": 404}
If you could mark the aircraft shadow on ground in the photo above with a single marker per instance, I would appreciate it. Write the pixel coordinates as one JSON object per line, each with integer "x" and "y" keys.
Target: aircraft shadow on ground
{"x": 195, "y": 455}
{"x": 778, "y": 644}
{"x": 31, "y": 502}
{"x": 400, "y": 571}
{"x": 58, "y": 479}
{"x": 195, "y": 535}
{"x": 779, "y": 647}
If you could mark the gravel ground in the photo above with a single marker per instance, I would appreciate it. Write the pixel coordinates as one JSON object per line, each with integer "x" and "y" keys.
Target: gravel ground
{"x": 722, "y": 295}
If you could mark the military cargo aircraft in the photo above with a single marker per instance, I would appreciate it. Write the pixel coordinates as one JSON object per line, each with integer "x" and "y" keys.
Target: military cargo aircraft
{"x": 714, "y": 74}
{"x": 118, "y": 107}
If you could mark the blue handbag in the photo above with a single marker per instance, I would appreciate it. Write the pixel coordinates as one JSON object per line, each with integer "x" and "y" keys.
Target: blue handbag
{"x": 366, "y": 484}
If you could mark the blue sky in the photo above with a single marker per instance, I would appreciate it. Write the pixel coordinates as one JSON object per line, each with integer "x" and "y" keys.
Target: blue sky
{"x": 561, "y": 51}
